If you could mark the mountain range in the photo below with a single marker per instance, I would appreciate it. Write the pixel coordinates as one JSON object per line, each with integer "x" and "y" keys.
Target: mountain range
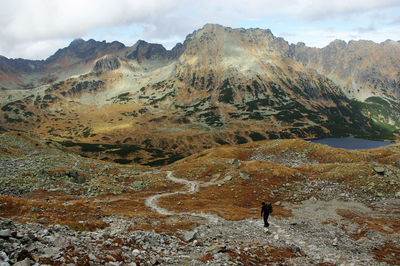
{"x": 151, "y": 105}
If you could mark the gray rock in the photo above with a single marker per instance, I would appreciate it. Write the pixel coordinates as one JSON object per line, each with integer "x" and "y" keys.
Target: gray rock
{"x": 227, "y": 178}
{"x": 51, "y": 252}
{"x": 3, "y": 257}
{"x": 112, "y": 263}
{"x": 93, "y": 257}
{"x": 25, "y": 262}
{"x": 244, "y": 177}
{"x": 190, "y": 236}
{"x": 5, "y": 233}
{"x": 379, "y": 170}
{"x": 4, "y": 264}
{"x": 397, "y": 195}
{"x": 155, "y": 261}
{"x": 398, "y": 163}
{"x": 135, "y": 252}
{"x": 107, "y": 63}
{"x": 216, "y": 249}
{"x": 234, "y": 162}
{"x": 313, "y": 199}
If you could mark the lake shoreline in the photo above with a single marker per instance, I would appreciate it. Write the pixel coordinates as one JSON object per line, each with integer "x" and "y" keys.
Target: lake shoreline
{"x": 351, "y": 143}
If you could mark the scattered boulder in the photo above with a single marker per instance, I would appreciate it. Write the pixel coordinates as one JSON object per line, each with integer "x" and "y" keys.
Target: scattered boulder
{"x": 135, "y": 252}
{"x": 234, "y": 162}
{"x": 312, "y": 199}
{"x": 244, "y": 177}
{"x": 25, "y": 262}
{"x": 216, "y": 249}
{"x": 397, "y": 195}
{"x": 6, "y": 233}
{"x": 398, "y": 163}
{"x": 189, "y": 236}
{"x": 227, "y": 178}
{"x": 379, "y": 170}
{"x": 3, "y": 257}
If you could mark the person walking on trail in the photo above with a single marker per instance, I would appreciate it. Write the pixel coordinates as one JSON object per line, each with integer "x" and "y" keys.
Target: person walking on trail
{"x": 266, "y": 209}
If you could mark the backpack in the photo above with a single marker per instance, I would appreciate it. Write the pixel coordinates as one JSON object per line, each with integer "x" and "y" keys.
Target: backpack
{"x": 268, "y": 207}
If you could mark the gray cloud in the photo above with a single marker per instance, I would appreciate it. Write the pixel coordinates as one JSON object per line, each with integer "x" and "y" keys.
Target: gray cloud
{"x": 395, "y": 21}
{"x": 323, "y": 10}
{"x": 362, "y": 30}
{"x": 36, "y": 28}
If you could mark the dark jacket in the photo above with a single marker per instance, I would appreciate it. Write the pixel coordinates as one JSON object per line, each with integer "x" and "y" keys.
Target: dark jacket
{"x": 266, "y": 209}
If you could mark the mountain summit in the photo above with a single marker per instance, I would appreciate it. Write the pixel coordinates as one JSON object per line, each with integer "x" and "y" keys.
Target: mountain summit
{"x": 222, "y": 85}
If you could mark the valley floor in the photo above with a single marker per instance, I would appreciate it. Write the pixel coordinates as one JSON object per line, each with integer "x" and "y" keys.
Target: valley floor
{"x": 331, "y": 207}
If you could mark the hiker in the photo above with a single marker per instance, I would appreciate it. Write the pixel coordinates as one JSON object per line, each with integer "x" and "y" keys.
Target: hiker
{"x": 266, "y": 209}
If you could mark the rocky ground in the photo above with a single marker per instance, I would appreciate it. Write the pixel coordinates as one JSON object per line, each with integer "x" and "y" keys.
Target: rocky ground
{"x": 331, "y": 207}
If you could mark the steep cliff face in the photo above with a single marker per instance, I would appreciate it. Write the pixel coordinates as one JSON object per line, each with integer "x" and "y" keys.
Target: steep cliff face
{"x": 362, "y": 68}
{"x": 220, "y": 86}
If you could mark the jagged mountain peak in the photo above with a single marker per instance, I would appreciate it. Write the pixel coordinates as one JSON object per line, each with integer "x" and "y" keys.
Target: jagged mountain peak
{"x": 214, "y": 39}
{"x": 107, "y": 63}
{"x": 77, "y": 42}
{"x": 86, "y": 50}
{"x": 217, "y": 31}
{"x": 339, "y": 44}
{"x": 144, "y": 51}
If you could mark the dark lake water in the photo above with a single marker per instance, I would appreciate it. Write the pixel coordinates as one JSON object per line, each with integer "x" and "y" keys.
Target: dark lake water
{"x": 351, "y": 143}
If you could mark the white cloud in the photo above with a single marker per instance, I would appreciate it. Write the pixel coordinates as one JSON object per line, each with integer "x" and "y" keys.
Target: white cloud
{"x": 34, "y": 28}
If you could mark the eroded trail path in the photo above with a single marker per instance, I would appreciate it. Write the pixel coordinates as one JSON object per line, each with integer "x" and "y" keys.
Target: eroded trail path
{"x": 305, "y": 235}
{"x": 192, "y": 187}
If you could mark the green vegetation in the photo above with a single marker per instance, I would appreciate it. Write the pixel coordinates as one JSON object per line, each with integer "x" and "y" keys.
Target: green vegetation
{"x": 122, "y": 161}
{"x": 15, "y": 107}
{"x": 171, "y": 94}
{"x": 226, "y": 92}
{"x": 86, "y": 132}
{"x": 240, "y": 140}
{"x": 360, "y": 114}
{"x": 220, "y": 141}
{"x": 289, "y": 116}
{"x": 12, "y": 120}
{"x": 256, "y": 116}
{"x": 87, "y": 85}
{"x": 212, "y": 119}
{"x": 122, "y": 151}
{"x": 254, "y": 105}
{"x": 255, "y": 136}
{"x": 123, "y": 97}
{"x": 55, "y": 87}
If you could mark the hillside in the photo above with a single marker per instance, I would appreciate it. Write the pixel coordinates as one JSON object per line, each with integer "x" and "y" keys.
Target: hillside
{"x": 221, "y": 86}
{"x": 329, "y": 206}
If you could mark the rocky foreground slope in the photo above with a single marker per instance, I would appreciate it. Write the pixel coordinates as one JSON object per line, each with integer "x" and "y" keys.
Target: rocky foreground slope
{"x": 331, "y": 206}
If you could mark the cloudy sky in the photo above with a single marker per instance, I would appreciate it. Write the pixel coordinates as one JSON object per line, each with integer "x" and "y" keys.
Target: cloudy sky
{"x": 35, "y": 29}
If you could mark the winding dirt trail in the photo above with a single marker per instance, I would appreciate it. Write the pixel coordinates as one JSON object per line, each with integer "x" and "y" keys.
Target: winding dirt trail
{"x": 192, "y": 187}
